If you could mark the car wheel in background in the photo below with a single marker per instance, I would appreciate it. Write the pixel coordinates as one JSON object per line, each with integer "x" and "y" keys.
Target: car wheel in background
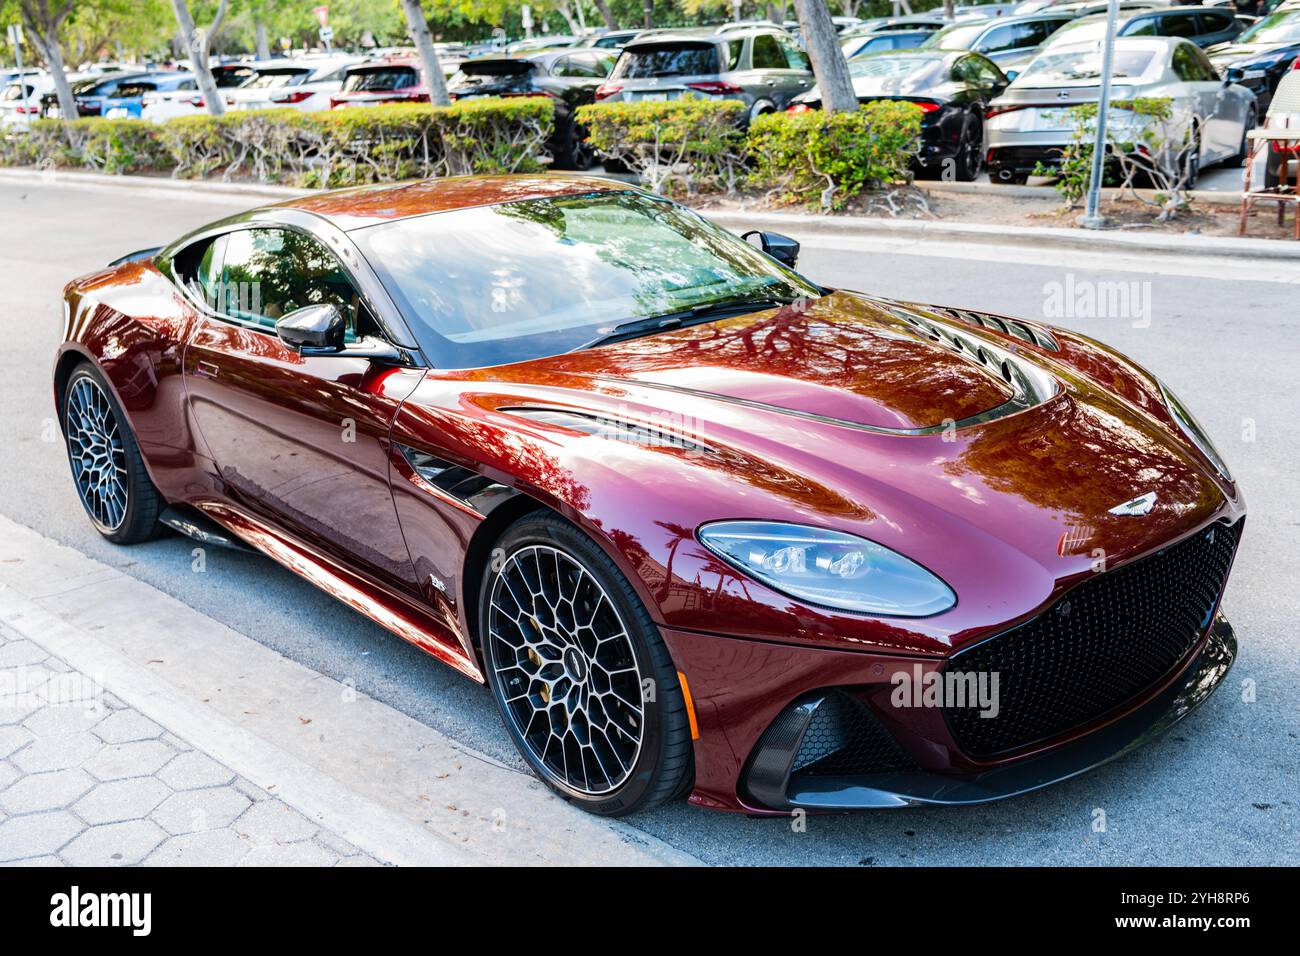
{"x": 579, "y": 672}
{"x": 107, "y": 468}
{"x": 1243, "y": 150}
{"x": 759, "y": 108}
{"x": 970, "y": 153}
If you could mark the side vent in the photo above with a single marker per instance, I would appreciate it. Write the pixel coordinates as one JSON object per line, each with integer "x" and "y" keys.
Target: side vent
{"x": 466, "y": 486}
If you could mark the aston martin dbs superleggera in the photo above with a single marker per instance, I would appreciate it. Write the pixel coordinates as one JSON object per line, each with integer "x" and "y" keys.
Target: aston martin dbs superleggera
{"x": 700, "y": 524}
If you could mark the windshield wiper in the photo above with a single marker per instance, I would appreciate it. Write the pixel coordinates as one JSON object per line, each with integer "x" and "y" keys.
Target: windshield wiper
{"x": 681, "y": 319}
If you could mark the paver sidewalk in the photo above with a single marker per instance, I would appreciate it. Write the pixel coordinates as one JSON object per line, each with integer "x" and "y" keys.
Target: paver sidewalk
{"x": 86, "y": 780}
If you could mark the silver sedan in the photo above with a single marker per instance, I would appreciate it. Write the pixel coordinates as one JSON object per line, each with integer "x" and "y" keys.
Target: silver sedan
{"x": 1032, "y": 121}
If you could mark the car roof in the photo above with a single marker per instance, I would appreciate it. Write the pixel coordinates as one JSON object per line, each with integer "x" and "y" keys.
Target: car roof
{"x": 362, "y": 206}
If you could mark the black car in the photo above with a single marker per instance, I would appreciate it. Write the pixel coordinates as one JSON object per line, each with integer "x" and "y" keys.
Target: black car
{"x": 1260, "y": 57}
{"x": 570, "y": 76}
{"x": 952, "y": 88}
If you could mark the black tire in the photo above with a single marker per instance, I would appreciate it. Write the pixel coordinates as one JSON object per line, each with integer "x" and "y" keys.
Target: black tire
{"x": 970, "y": 155}
{"x": 530, "y": 683}
{"x": 138, "y": 520}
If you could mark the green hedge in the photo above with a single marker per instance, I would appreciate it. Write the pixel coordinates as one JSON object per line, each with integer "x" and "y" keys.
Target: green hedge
{"x": 329, "y": 148}
{"x": 695, "y": 145}
{"x": 825, "y": 159}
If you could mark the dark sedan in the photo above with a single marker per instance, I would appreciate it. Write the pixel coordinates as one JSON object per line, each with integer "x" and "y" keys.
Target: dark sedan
{"x": 952, "y": 88}
{"x": 570, "y": 77}
{"x": 1260, "y": 57}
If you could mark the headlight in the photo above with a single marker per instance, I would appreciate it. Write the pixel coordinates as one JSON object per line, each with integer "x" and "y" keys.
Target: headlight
{"x": 828, "y": 568}
{"x": 1193, "y": 430}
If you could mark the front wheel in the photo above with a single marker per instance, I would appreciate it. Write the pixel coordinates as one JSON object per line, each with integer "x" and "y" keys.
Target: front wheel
{"x": 107, "y": 468}
{"x": 580, "y": 673}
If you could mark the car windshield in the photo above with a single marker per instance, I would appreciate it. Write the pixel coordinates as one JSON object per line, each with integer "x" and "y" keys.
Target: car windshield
{"x": 1071, "y": 66}
{"x": 517, "y": 281}
{"x": 959, "y": 36}
{"x": 676, "y": 60}
{"x": 384, "y": 78}
{"x": 1275, "y": 28}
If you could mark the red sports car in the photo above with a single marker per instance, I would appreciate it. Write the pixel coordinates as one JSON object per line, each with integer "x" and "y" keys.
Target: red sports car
{"x": 700, "y": 524}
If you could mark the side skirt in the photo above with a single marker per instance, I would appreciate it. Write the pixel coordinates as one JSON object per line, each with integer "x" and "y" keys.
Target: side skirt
{"x": 386, "y": 610}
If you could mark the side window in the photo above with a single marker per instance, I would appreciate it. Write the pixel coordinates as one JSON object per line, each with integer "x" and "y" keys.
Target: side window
{"x": 1209, "y": 73}
{"x": 796, "y": 57}
{"x": 1213, "y": 22}
{"x": 198, "y": 268}
{"x": 268, "y": 273}
{"x": 767, "y": 53}
{"x": 733, "y": 49}
{"x": 1179, "y": 25}
{"x": 1141, "y": 27}
{"x": 1183, "y": 64}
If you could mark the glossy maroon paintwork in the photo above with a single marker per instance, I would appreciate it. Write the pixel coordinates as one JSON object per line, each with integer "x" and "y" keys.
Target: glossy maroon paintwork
{"x": 797, "y": 410}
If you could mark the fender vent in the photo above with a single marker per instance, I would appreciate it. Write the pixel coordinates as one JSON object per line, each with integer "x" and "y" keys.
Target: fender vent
{"x": 469, "y": 487}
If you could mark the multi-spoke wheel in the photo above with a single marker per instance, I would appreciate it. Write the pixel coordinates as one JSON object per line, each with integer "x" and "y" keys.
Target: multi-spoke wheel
{"x": 579, "y": 671}
{"x": 106, "y": 465}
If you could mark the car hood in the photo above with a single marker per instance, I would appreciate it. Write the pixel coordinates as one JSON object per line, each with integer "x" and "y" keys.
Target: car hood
{"x": 1249, "y": 51}
{"x": 840, "y": 358}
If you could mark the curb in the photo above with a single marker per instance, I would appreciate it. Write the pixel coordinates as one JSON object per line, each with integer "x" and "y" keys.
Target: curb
{"x": 1038, "y": 237}
{"x": 904, "y": 230}
{"x": 1049, "y": 192}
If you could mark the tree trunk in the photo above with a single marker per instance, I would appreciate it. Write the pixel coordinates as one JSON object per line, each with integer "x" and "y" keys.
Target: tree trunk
{"x": 197, "y": 43}
{"x": 948, "y": 12}
{"x": 263, "y": 47}
{"x": 570, "y": 21}
{"x": 433, "y": 78}
{"x": 829, "y": 66}
{"x": 648, "y": 9}
{"x": 606, "y": 14}
{"x": 42, "y": 27}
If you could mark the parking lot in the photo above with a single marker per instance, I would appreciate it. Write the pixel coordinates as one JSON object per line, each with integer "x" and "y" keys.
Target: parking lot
{"x": 1220, "y": 789}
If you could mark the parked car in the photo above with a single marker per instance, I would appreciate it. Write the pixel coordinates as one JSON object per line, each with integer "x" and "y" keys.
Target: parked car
{"x": 568, "y": 76}
{"x": 604, "y": 447}
{"x": 305, "y": 85}
{"x": 1204, "y": 26}
{"x": 396, "y": 79}
{"x": 1260, "y": 56}
{"x": 613, "y": 40}
{"x": 952, "y": 87}
{"x": 1000, "y": 38}
{"x": 89, "y": 93}
{"x": 885, "y": 42}
{"x": 543, "y": 43}
{"x": 127, "y": 101}
{"x": 762, "y": 67}
{"x": 20, "y": 100}
{"x": 1031, "y": 122}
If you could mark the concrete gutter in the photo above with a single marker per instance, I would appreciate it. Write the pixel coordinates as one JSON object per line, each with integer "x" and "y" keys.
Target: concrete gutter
{"x": 1038, "y": 237}
{"x": 1212, "y": 197}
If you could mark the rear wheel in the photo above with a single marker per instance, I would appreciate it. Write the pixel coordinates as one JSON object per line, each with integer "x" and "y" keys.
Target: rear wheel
{"x": 970, "y": 153}
{"x": 107, "y": 468}
{"x": 580, "y": 673}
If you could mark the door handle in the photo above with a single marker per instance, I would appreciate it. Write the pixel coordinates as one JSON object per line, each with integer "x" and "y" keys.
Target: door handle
{"x": 206, "y": 369}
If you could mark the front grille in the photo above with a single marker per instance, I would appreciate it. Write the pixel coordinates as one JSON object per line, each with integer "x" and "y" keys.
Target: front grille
{"x": 844, "y": 739}
{"x": 1101, "y": 645}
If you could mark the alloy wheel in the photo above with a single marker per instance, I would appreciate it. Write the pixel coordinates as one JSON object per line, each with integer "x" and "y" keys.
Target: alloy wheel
{"x": 97, "y": 453}
{"x": 566, "y": 669}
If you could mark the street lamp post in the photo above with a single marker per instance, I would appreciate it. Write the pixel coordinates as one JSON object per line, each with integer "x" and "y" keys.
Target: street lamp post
{"x": 1092, "y": 218}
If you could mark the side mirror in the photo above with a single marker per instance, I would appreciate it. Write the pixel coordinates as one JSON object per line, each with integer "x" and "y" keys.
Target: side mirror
{"x": 313, "y": 330}
{"x": 781, "y": 248}
{"x": 1011, "y": 75}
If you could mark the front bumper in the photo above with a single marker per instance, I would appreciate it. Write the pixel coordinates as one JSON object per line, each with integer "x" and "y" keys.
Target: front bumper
{"x": 920, "y": 788}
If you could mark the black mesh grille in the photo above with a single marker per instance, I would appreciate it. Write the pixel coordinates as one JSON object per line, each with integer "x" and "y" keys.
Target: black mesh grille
{"x": 844, "y": 738}
{"x": 1102, "y": 644}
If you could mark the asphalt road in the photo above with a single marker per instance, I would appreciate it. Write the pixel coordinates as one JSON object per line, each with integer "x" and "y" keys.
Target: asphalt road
{"x": 1222, "y": 789}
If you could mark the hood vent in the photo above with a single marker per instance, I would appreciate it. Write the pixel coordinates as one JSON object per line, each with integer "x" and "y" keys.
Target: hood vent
{"x": 1032, "y": 386}
{"x": 1020, "y": 330}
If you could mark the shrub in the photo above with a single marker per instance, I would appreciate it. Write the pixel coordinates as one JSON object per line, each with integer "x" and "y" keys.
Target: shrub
{"x": 692, "y": 145}
{"x": 1146, "y": 138}
{"x": 825, "y": 159}
{"x": 339, "y": 147}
